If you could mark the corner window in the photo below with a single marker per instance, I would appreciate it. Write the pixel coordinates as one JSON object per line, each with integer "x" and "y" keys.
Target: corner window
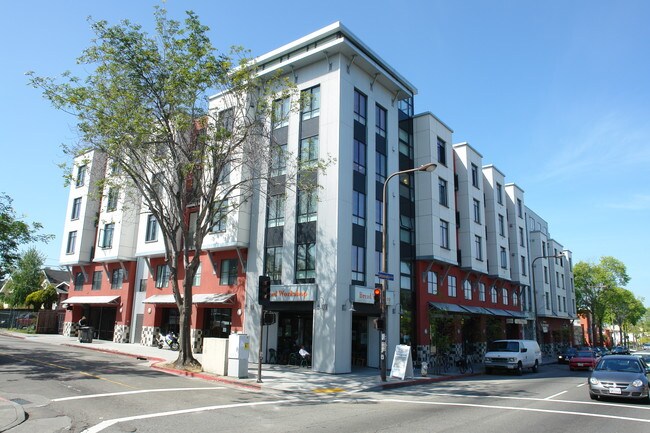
{"x": 310, "y": 100}
{"x": 360, "y": 107}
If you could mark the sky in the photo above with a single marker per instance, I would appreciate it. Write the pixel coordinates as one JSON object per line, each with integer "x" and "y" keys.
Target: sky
{"x": 555, "y": 94}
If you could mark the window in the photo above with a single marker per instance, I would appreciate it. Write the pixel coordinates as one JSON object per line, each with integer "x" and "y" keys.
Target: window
{"x": 547, "y": 300}
{"x": 451, "y": 286}
{"x": 442, "y": 152}
{"x": 378, "y": 265}
{"x": 475, "y": 176}
{"x": 307, "y": 205}
{"x": 358, "y": 264}
{"x": 278, "y": 159}
{"x": 228, "y": 275}
{"x": 281, "y": 109}
{"x": 406, "y": 225}
{"x": 467, "y": 288}
{"x": 444, "y": 234}
{"x": 72, "y": 239}
{"x": 273, "y": 264}
{"x": 360, "y": 107}
{"x": 359, "y": 156}
{"x": 504, "y": 296}
{"x": 499, "y": 193}
{"x": 493, "y": 294}
{"x": 152, "y": 229}
{"x": 558, "y": 303}
{"x": 358, "y": 208}
{"x": 276, "y": 211}
{"x": 432, "y": 283}
{"x": 523, "y": 265}
{"x": 478, "y": 246}
{"x": 405, "y": 275}
{"x": 405, "y": 147}
{"x": 226, "y": 120}
{"x": 113, "y": 195}
{"x": 157, "y": 183}
{"x": 309, "y": 151}
{"x": 81, "y": 175}
{"x": 97, "y": 280}
{"x": 557, "y": 279}
{"x": 546, "y": 274}
{"x": 162, "y": 276}
{"x": 562, "y": 280}
{"x": 76, "y": 208}
{"x": 442, "y": 192}
{"x": 79, "y": 281}
{"x": 521, "y": 236}
{"x": 380, "y": 121}
{"x": 379, "y": 215}
{"x": 310, "y": 103}
{"x": 380, "y": 167}
{"x": 504, "y": 258}
{"x": 502, "y": 229}
{"x": 477, "y": 211}
{"x": 219, "y": 217}
{"x": 520, "y": 212}
{"x": 196, "y": 281}
{"x": 107, "y": 239}
{"x": 306, "y": 263}
{"x": 564, "y": 303}
{"x": 117, "y": 277}
{"x": 481, "y": 292}
{"x": 515, "y": 299}
{"x": 224, "y": 173}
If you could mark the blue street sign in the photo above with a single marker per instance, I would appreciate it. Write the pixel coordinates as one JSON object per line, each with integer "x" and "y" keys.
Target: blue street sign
{"x": 385, "y": 276}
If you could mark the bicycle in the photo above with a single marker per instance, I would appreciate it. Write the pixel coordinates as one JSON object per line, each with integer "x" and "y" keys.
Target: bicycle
{"x": 464, "y": 365}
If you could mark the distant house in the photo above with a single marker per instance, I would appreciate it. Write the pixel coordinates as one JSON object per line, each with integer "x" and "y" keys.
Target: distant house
{"x": 56, "y": 277}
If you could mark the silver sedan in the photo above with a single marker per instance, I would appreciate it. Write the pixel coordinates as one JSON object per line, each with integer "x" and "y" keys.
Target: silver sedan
{"x": 621, "y": 376}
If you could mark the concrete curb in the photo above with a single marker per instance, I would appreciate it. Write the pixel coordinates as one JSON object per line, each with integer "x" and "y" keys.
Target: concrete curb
{"x": 11, "y": 414}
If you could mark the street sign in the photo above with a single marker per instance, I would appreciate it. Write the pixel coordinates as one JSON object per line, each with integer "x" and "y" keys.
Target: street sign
{"x": 385, "y": 276}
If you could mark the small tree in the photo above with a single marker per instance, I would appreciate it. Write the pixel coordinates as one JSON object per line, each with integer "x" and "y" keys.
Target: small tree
{"x": 624, "y": 309}
{"x": 145, "y": 106}
{"x": 26, "y": 278}
{"x": 13, "y": 233}
{"x": 43, "y": 298}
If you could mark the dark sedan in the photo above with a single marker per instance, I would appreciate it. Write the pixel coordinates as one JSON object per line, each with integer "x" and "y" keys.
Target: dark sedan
{"x": 566, "y": 355}
{"x": 620, "y": 376}
{"x": 620, "y": 350}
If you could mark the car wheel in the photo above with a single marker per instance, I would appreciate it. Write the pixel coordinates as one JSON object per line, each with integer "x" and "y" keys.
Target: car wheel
{"x": 535, "y": 367}
{"x": 593, "y": 396}
{"x": 520, "y": 369}
{"x": 488, "y": 370}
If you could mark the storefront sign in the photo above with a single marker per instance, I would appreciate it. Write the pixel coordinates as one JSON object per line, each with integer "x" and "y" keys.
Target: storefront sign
{"x": 402, "y": 362}
{"x": 365, "y": 295}
{"x": 293, "y": 293}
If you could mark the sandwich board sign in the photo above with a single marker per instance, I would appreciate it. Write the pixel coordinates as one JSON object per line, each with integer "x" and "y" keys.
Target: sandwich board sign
{"x": 402, "y": 362}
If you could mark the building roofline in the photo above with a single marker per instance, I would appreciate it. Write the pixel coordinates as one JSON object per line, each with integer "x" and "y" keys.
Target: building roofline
{"x": 494, "y": 167}
{"x": 515, "y": 186}
{"x": 429, "y": 113}
{"x": 466, "y": 144}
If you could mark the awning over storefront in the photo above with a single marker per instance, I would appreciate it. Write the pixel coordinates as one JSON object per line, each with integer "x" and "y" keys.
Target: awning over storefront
{"x": 518, "y": 314}
{"x": 209, "y": 298}
{"x": 92, "y": 300}
{"x": 505, "y": 313}
{"x": 449, "y": 308}
{"x": 477, "y": 310}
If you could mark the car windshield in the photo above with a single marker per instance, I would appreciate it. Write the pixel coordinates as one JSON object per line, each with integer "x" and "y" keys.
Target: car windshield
{"x": 628, "y": 365}
{"x": 585, "y": 354}
{"x": 504, "y": 346}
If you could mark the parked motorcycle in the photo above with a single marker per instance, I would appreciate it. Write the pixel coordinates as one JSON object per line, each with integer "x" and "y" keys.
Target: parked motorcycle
{"x": 170, "y": 340}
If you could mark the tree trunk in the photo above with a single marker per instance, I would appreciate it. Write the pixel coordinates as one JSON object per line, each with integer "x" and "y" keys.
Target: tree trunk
{"x": 186, "y": 358}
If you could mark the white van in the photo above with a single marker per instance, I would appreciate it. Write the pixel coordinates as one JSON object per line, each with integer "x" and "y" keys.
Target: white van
{"x": 513, "y": 355}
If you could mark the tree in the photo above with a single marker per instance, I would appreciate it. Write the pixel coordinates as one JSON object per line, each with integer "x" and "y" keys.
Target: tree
{"x": 14, "y": 232}
{"x": 145, "y": 107}
{"x": 592, "y": 283}
{"x": 26, "y": 278}
{"x": 43, "y": 298}
{"x": 624, "y": 309}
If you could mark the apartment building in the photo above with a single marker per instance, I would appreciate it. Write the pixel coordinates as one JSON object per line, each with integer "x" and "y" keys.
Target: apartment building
{"x": 454, "y": 237}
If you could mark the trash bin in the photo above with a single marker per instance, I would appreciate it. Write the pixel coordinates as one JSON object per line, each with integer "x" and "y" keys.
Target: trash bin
{"x": 86, "y": 334}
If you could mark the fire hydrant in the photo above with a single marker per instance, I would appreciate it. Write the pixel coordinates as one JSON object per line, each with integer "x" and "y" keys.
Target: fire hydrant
{"x": 424, "y": 369}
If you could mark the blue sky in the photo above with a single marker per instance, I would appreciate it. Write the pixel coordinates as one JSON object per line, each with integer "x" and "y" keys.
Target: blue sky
{"x": 556, "y": 94}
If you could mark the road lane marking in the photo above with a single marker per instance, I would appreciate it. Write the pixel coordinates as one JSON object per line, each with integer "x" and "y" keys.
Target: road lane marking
{"x": 555, "y": 395}
{"x": 523, "y": 409}
{"x": 49, "y": 364}
{"x": 107, "y": 380}
{"x": 581, "y": 385}
{"x": 107, "y": 423}
{"x": 142, "y": 391}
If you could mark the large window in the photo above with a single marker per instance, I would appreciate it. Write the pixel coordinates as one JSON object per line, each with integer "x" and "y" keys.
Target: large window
{"x": 502, "y": 226}
{"x": 273, "y": 264}
{"x": 76, "y": 208}
{"x": 504, "y": 258}
{"x": 117, "y": 277}
{"x": 380, "y": 120}
{"x": 310, "y": 103}
{"x": 306, "y": 263}
{"x": 442, "y": 152}
{"x": 281, "y": 109}
{"x": 499, "y": 193}
{"x": 380, "y": 167}
{"x": 220, "y": 217}
{"x": 359, "y": 156}
{"x": 475, "y": 178}
{"x": 152, "y": 229}
{"x": 493, "y": 294}
{"x": 278, "y": 159}
{"x": 404, "y": 139}
{"x": 72, "y": 240}
{"x": 523, "y": 265}
{"x": 467, "y": 289}
{"x": 477, "y": 211}
{"x": 107, "y": 238}
{"x": 360, "y": 107}
{"x": 276, "y": 211}
{"x": 162, "y": 276}
{"x": 97, "y": 280}
{"x": 379, "y": 215}
{"x": 307, "y": 205}
{"x": 309, "y": 151}
{"x": 79, "y": 280}
{"x": 432, "y": 283}
{"x": 405, "y": 275}
{"x": 81, "y": 176}
{"x": 444, "y": 234}
{"x": 443, "y": 192}
{"x": 451, "y": 286}
{"x": 358, "y": 208}
{"x": 478, "y": 247}
{"x": 113, "y": 196}
{"x": 228, "y": 275}
{"x": 358, "y": 264}
{"x": 504, "y": 296}
{"x": 407, "y": 227}
{"x": 481, "y": 292}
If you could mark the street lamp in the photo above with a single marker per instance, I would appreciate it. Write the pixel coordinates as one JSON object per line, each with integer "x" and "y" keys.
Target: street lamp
{"x": 429, "y": 167}
{"x": 554, "y": 256}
